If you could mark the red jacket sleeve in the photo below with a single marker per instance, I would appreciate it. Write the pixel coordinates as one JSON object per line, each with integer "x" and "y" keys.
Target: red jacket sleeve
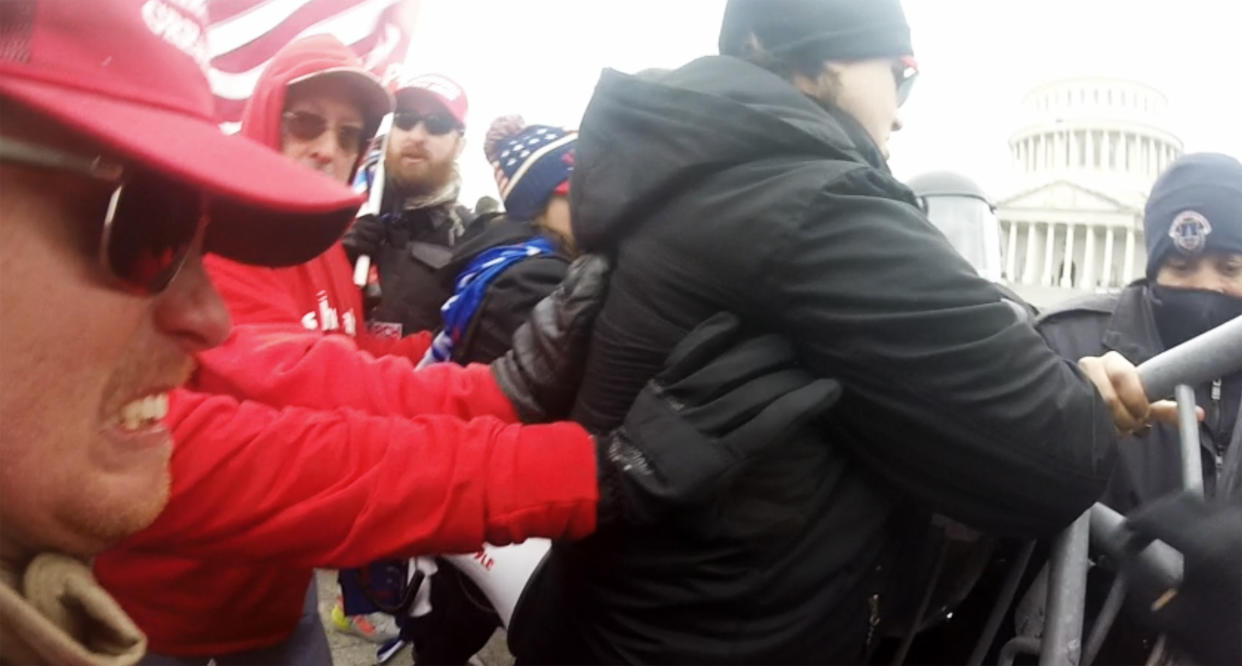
{"x": 276, "y": 366}
{"x": 411, "y": 347}
{"x": 271, "y": 358}
{"x": 342, "y": 488}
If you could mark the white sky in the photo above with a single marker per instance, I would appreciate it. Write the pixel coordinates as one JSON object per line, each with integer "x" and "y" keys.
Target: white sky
{"x": 541, "y": 58}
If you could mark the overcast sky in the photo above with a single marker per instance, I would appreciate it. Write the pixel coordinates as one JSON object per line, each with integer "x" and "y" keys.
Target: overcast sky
{"x": 541, "y": 58}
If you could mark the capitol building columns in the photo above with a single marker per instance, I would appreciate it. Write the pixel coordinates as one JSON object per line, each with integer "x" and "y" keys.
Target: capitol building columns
{"x": 1079, "y": 256}
{"x": 1086, "y": 280}
{"x": 1127, "y": 274}
{"x": 1107, "y": 272}
{"x": 1087, "y": 152}
{"x": 1050, "y": 245}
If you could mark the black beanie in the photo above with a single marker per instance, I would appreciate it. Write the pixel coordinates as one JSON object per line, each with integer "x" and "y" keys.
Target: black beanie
{"x": 1195, "y": 206}
{"x": 838, "y": 29}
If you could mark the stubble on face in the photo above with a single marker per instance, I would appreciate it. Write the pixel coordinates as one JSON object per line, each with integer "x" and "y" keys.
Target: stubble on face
{"x": 421, "y": 178}
{"x": 416, "y": 162}
{"x": 75, "y": 349}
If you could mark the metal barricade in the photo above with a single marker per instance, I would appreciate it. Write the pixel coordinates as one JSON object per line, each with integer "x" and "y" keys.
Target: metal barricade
{"x": 1202, "y": 359}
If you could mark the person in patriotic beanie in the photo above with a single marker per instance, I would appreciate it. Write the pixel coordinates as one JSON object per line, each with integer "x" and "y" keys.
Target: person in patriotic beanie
{"x": 520, "y": 256}
{"x": 495, "y": 278}
{"x": 533, "y": 164}
{"x": 508, "y": 263}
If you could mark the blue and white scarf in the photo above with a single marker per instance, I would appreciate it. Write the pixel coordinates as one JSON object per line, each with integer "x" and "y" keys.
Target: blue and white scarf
{"x": 388, "y": 579}
{"x": 469, "y": 290}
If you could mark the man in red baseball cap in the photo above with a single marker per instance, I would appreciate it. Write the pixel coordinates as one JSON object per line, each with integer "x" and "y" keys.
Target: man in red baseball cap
{"x": 318, "y": 106}
{"x": 427, "y": 135}
{"x": 111, "y": 167}
{"x": 416, "y": 222}
{"x": 114, "y": 179}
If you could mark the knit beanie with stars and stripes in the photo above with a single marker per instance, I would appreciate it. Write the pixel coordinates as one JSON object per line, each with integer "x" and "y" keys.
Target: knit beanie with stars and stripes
{"x": 531, "y": 163}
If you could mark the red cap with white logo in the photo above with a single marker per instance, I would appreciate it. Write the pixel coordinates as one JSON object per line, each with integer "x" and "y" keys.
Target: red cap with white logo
{"x": 438, "y": 87}
{"x": 130, "y": 75}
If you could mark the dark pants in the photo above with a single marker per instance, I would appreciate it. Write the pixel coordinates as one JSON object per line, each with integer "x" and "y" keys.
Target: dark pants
{"x": 306, "y": 646}
{"x": 460, "y": 623}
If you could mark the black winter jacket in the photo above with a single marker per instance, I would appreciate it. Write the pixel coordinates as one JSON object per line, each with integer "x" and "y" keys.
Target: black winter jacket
{"x": 511, "y": 295}
{"x": 720, "y": 187}
{"x": 409, "y": 248}
{"x": 1148, "y": 466}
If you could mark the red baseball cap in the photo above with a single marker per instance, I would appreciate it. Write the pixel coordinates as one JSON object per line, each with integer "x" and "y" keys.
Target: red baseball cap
{"x": 439, "y": 88}
{"x": 131, "y": 75}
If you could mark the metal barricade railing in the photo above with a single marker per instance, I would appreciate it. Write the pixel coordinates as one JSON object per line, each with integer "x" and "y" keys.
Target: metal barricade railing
{"x": 1202, "y": 359}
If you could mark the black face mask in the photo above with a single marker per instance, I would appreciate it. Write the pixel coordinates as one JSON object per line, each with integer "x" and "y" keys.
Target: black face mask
{"x": 1181, "y": 314}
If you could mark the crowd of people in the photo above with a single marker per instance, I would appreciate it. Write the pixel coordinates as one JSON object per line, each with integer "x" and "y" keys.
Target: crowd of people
{"x": 708, "y": 345}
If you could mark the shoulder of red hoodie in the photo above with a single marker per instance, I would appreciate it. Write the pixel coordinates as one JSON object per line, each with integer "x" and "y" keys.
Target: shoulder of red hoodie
{"x": 317, "y": 296}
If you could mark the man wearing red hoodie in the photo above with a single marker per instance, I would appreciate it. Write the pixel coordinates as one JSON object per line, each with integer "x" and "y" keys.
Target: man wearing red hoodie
{"x": 319, "y": 107}
{"x": 286, "y": 436}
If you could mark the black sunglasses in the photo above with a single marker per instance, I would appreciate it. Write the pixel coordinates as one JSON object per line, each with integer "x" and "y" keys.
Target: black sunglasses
{"x": 437, "y": 124}
{"x": 905, "y": 72}
{"x": 149, "y": 223}
{"x": 308, "y": 126}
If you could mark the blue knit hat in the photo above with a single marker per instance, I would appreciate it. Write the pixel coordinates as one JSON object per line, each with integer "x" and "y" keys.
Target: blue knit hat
{"x": 531, "y": 162}
{"x": 1194, "y": 207}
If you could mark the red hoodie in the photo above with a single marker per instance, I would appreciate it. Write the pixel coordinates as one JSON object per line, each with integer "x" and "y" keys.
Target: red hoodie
{"x": 300, "y": 448}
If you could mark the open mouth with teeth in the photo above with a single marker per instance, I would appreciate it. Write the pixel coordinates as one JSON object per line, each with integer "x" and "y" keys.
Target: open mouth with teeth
{"x": 143, "y": 412}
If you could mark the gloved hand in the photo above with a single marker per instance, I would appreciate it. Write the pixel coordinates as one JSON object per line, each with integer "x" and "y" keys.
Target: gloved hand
{"x": 365, "y": 236}
{"x": 721, "y": 400}
{"x": 1204, "y": 615}
{"x": 540, "y": 374}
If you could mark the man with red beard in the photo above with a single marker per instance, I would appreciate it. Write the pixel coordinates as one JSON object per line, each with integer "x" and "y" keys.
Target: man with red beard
{"x": 418, "y": 224}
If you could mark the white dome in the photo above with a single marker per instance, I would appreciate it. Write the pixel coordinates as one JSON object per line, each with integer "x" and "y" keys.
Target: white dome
{"x": 1111, "y": 135}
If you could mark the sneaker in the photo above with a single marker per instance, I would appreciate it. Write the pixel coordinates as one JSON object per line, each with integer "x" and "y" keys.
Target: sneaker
{"x": 375, "y": 627}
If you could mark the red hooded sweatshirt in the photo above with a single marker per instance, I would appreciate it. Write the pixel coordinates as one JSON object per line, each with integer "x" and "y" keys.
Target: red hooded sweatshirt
{"x": 299, "y": 448}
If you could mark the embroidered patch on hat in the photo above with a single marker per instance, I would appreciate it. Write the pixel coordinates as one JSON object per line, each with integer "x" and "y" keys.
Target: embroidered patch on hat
{"x": 1189, "y": 231}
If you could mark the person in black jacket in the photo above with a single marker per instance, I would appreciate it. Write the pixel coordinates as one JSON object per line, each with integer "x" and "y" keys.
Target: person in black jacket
{"x": 509, "y": 294}
{"x": 513, "y": 259}
{"x": 756, "y": 182}
{"x": 496, "y": 278}
{"x": 1193, "y": 226}
{"x": 413, "y": 222}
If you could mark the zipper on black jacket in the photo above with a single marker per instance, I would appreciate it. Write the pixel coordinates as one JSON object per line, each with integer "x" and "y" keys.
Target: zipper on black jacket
{"x": 1220, "y": 440}
{"x": 873, "y": 620}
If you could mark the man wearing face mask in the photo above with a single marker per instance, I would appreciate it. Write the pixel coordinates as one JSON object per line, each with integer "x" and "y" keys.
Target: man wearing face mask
{"x": 1193, "y": 224}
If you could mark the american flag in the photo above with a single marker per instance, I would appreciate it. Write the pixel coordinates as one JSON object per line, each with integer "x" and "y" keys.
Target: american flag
{"x": 243, "y": 35}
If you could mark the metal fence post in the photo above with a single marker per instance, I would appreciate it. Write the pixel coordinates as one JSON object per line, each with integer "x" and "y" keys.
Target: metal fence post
{"x": 1067, "y": 594}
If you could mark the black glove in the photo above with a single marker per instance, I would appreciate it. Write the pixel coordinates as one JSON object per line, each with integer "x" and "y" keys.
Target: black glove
{"x": 365, "y": 236}
{"x": 1204, "y": 615}
{"x": 541, "y": 372}
{"x": 721, "y": 400}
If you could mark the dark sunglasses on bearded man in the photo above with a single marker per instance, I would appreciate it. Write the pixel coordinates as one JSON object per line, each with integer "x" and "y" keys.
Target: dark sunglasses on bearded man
{"x": 437, "y": 124}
